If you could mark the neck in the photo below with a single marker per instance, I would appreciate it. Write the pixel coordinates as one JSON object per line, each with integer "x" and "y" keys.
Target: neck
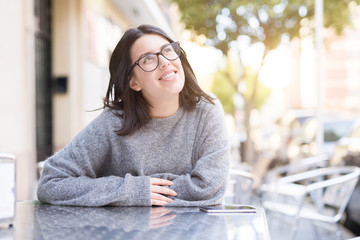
{"x": 164, "y": 109}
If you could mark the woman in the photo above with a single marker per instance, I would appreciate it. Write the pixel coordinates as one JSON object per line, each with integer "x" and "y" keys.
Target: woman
{"x": 159, "y": 141}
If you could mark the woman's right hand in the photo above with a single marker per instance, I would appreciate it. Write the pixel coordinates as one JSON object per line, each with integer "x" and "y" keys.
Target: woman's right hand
{"x": 157, "y": 191}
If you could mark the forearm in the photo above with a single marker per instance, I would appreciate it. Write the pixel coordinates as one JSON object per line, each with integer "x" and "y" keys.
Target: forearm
{"x": 86, "y": 191}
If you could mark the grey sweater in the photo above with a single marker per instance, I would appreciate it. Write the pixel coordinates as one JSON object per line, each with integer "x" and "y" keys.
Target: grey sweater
{"x": 98, "y": 167}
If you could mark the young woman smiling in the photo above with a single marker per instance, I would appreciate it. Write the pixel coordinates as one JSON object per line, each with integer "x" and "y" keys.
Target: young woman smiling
{"x": 160, "y": 139}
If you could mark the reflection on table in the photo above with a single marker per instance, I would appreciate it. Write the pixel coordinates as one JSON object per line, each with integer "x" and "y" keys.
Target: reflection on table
{"x": 40, "y": 221}
{"x": 283, "y": 227}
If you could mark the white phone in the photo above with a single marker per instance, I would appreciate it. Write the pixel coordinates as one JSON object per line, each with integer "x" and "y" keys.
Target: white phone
{"x": 228, "y": 209}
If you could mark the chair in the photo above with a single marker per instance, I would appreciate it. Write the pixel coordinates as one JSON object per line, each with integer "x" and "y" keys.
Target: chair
{"x": 297, "y": 167}
{"x": 7, "y": 189}
{"x": 240, "y": 187}
{"x": 320, "y": 194}
{"x": 40, "y": 168}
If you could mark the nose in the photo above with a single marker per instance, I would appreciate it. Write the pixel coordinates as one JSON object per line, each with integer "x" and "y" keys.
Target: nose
{"x": 163, "y": 61}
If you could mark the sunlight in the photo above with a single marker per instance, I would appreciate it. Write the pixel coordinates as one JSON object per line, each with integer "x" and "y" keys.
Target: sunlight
{"x": 204, "y": 60}
{"x": 275, "y": 73}
{"x": 307, "y": 74}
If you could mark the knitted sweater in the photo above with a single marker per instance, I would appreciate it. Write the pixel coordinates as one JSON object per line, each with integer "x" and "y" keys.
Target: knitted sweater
{"x": 98, "y": 167}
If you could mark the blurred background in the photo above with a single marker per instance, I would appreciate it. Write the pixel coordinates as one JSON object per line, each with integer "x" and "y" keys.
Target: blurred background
{"x": 286, "y": 71}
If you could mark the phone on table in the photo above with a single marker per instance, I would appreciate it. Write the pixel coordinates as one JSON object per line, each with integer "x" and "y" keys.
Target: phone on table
{"x": 229, "y": 209}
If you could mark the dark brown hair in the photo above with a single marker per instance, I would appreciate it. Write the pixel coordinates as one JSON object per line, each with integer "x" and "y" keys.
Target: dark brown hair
{"x": 135, "y": 108}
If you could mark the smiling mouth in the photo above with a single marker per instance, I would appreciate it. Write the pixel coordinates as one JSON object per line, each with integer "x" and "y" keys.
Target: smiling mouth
{"x": 168, "y": 76}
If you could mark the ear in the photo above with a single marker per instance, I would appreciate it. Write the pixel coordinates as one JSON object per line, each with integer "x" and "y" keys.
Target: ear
{"x": 134, "y": 85}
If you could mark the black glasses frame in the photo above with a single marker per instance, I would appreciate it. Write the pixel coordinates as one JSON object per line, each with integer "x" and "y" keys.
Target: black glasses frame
{"x": 157, "y": 55}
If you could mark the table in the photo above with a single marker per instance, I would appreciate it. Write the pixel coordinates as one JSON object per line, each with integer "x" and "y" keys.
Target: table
{"x": 41, "y": 221}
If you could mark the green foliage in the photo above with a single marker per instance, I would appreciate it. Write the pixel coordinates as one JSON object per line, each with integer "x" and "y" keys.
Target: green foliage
{"x": 225, "y": 85}
{"x": 263, "y": 92}
{"x": 266, "y": 21}
{"x": 225, "y": 82}
{"x": 224, "y": 90}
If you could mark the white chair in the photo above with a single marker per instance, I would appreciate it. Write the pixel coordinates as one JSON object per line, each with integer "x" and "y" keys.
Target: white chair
{"x": 240, "y": 187}
{"x": 320, "y": 194}
{"x": 296, "y": 167}
{"x": 40, "y": 167}
{"x": 7, "y": 189}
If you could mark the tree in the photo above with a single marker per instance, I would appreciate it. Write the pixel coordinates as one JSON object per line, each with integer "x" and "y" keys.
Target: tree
{"x": 223, "y": 89}
{"x": 225, "y": 85}
{"x": 222, "y": 22}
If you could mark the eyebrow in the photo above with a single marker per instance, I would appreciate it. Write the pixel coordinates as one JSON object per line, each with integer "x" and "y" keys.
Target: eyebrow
{"x": 161, "y": 48}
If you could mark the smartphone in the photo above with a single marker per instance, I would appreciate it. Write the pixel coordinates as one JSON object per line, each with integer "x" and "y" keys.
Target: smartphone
{"x": 228, "y": 209}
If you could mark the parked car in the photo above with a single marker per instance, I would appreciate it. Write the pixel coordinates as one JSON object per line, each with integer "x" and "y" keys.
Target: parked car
{"x": 291, "y": 125}
{"x": 347, "y": 149}
{"x": 305, "y": 144}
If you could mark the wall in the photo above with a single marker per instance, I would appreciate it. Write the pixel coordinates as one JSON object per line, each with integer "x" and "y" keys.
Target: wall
{"x": 17, "y": 91}
{"x": 84, "y": 35}
{"x": 65, "y": 54}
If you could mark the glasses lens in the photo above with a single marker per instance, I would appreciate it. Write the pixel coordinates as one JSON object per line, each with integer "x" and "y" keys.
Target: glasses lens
{"x": 171, "y": 51}
{"x": 149, "y": 62}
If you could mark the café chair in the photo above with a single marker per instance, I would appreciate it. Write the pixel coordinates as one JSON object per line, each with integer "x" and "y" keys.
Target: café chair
{"x": 240, "y": 187}
{"x": 7, "y": 189}
{"x": 296, "y": 167}
{"x": 321, "y": 194}
{"x": 40, "y": 167}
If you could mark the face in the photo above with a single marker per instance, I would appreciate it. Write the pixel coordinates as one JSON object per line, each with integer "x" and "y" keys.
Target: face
{"x": 166, "y": 81}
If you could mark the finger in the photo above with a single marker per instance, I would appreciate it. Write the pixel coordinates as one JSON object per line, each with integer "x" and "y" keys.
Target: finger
{"x": 155, "y": 202}
{"x": 162, "y": 190}
{"x": 159, "y": 197}
{"x": 159, "y": 181}
{"x": 156, "y": 196}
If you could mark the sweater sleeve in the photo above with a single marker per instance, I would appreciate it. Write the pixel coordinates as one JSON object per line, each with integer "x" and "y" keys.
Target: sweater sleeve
{"x": 73, "y": 175}
{"x": 206, "y": 183}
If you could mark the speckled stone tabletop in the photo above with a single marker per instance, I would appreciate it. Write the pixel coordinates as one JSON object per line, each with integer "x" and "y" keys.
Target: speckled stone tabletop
{"x": 34, "y": 220}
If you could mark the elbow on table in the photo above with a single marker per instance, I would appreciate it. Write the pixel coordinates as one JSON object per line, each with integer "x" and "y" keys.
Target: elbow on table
{"x": 43, "y": 193}
{"x": 47, "y": 193}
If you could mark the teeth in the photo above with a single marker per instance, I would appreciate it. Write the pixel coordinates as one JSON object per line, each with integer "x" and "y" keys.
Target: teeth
{"x": 169, "y": 75}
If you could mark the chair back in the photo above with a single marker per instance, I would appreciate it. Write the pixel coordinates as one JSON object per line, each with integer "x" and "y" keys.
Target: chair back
{"x": 241, "y": 187}
{"x": 303, "y": 165}
{"x": 337, "y": 195}
{"x": 321, "y": 194}
{"x": 7, "y": 188}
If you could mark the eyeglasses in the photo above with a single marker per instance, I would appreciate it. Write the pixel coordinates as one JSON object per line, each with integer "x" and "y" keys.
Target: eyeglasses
{"x": 149, "y": 62}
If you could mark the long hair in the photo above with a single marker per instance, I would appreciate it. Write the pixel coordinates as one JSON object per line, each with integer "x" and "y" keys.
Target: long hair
{"x": 135, "y": 108}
